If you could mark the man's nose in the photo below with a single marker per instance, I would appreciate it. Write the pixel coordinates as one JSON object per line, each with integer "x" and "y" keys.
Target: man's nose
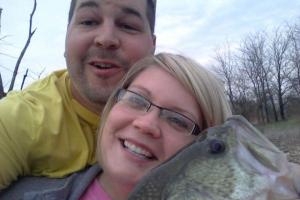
{"x": 107, "y": 37}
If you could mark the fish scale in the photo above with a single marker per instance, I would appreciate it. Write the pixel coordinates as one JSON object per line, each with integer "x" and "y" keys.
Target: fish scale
{"x": 249, "y": 168}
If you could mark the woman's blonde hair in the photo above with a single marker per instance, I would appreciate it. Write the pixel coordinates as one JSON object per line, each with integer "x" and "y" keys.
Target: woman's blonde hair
{"x": 207, "y": 89}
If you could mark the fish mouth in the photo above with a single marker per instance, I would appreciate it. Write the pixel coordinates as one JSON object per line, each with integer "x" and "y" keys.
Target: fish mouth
{"x": 137, "y": 150}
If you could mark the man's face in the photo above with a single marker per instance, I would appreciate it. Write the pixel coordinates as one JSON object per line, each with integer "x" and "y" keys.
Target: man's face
{"x": 104, "y": 39}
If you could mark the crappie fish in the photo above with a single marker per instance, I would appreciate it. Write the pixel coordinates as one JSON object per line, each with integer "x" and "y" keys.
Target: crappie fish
{"x": 234, "y": 162}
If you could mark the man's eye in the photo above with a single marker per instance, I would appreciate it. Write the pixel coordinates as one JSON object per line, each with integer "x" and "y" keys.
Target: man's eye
{"x": 129, "y": 27}
{"x": 89, "y": 22}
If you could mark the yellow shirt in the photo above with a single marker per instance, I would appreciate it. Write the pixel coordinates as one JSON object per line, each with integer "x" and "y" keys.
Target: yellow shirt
{"x": 44, "y": 131}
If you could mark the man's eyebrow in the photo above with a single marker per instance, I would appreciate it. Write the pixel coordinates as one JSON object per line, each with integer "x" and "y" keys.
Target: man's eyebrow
{"x": 131, "y": 11}
{"x": 126, "y": 10}
{"x": 92, "y": 4}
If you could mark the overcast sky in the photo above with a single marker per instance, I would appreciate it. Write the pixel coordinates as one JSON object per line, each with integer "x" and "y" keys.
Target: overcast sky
{"x": 192, "y": 27}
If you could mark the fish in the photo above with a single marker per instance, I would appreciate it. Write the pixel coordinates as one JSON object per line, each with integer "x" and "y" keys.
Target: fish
{"x": 232, "y": 161}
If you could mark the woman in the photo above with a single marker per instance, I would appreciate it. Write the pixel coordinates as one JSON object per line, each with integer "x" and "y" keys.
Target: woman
{"x": 163, "y": 104}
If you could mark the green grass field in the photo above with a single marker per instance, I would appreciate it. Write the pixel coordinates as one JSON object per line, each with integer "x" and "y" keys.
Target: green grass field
{"x": 287, "y": 127}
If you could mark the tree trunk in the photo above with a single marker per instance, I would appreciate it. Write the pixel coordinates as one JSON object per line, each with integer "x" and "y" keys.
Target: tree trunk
{"x": 2, "y": 93}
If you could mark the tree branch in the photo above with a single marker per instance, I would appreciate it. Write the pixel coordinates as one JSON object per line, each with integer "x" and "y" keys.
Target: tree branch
{"x": 31, "y": 33}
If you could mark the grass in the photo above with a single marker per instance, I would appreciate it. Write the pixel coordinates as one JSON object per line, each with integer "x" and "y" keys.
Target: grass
{"x": 286, "y": 127}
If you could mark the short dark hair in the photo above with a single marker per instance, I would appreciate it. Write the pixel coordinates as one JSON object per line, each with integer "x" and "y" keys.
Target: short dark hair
{"x": 150, "y": 13}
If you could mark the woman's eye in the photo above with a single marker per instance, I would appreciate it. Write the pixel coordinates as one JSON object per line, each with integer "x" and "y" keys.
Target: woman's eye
{"x": 137, "y": 102}
{"x": 177, "y": 122}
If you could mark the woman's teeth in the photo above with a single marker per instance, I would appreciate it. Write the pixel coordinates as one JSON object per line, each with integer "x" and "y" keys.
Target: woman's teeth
{"x": 137, "y": 150}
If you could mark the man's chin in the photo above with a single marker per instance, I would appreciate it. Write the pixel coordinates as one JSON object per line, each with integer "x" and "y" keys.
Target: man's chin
{"x": 100, "y": 95}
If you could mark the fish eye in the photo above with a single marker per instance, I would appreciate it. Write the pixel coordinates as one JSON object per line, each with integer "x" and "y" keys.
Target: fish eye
{"x": 216, "y": 146}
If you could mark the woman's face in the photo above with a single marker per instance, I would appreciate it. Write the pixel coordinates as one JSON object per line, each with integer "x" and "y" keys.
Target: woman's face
{"x": 134, "y": 141}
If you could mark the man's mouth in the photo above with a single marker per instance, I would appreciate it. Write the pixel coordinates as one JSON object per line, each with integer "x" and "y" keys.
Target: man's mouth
{"x": 140, "y": 152}
{"x": 102, "y": 65}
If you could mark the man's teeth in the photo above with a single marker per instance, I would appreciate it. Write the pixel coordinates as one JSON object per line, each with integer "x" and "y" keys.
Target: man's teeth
{"x": 103, "y": 65}
{"x": 136, "y": 149}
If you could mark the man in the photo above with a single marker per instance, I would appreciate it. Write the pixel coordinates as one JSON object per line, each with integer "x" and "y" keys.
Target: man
{"x": 49, "y": 128}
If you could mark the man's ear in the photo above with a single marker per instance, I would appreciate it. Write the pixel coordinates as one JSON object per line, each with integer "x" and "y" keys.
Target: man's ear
{"x": 154, "y": 43}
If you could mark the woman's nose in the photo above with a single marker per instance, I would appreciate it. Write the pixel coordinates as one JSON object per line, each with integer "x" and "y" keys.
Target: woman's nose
{"x": 148, "y": 123}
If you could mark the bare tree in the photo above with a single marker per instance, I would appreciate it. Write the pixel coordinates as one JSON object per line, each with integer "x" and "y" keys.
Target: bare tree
{"x": 2, "y": 93}
{"x": 295, "y": 58}
{"x": 30, "y": 34}
{"x": 279, "y": 52}
{"x": 0, "y": 17}
{"x": 244, "y": 96}
{"x": 253, "y": 61}
{"x": 264, "y": 75}
{"x": 268, "y": 76}
{"x": 225, "y": 68}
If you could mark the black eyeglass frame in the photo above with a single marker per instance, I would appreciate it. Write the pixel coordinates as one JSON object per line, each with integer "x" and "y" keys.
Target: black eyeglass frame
{"x": 196, "y": 129}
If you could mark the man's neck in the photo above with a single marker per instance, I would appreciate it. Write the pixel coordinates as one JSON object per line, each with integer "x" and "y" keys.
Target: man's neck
{"x": 93, "y": 107}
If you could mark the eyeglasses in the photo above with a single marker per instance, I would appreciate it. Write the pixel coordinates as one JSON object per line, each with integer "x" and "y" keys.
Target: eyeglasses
{"x": 175, "y": 120}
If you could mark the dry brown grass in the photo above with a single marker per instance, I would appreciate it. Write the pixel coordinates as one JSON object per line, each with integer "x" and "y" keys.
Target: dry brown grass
{"x": 286, "y": 136}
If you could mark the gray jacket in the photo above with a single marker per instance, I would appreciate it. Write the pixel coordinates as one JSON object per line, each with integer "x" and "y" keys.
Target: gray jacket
{"x": 42, "y": 188}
